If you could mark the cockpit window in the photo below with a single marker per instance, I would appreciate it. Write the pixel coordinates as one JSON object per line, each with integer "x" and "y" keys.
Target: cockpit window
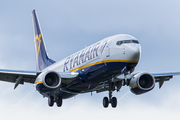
{"x": 127, "y": 41}
{"x": 119, "y": 42}
{"x": 135, "y": 41}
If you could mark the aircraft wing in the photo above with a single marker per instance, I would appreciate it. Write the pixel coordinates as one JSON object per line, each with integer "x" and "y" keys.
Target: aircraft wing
{"x": 17, "y": 76}
{"x": 159, "y": 77}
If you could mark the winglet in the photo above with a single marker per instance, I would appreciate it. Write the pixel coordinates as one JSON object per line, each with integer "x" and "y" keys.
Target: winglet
{"x": 42, "y": 59}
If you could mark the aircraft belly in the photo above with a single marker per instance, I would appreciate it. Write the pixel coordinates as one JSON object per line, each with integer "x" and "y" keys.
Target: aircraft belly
{"x": 55, "y": 92}
{"x": 89, "y": 78}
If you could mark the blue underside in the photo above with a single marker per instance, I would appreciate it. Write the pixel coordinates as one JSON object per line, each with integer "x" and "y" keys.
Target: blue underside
{"x": 89, "y": 78}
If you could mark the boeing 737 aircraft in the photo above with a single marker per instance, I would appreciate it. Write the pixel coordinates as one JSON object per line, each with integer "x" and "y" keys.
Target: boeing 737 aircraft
{"x": 94, "y": 68}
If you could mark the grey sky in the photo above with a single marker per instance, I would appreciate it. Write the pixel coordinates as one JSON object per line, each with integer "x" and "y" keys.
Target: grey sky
{"x": 69, "y": 26}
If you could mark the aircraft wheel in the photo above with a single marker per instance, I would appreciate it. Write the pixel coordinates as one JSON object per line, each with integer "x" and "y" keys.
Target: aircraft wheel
{"x": 114, "y": 102}
{"x": 105, "y": 102}
{"x": 59, "y": 101}
{"x": 51, "y": 101}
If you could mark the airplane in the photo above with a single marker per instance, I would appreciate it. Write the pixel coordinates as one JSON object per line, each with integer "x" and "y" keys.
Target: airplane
{"x": 106, "y": 65}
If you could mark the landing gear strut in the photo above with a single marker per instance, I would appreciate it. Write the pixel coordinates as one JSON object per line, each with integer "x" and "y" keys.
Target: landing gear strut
{"x": 112, "y": 100}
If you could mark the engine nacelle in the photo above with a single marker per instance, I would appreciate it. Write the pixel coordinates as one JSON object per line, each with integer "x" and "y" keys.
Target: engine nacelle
{"x": 50, "y": 79}
{"x": 141, "y": 83}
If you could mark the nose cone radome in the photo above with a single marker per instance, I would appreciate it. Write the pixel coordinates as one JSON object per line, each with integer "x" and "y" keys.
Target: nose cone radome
{"x": 134, "y": 52}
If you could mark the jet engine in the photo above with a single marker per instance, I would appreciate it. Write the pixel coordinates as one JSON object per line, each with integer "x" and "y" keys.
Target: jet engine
{"x": 50, "y": 80}
{"x": 141, "y": 83}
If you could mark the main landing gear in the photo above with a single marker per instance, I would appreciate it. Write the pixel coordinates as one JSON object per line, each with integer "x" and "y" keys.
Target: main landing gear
{"x": 58, "y": 101}
{"x": 111, "y": 100}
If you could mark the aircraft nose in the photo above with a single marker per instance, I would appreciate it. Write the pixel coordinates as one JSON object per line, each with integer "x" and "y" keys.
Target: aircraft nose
{"x": 134, "y": 52}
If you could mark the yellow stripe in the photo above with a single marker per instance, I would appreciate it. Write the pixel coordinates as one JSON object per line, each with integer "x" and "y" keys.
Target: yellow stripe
{"x": 105, "y": 61}
{"x": 39, "y": 82}
{"x": 134, "y": 86}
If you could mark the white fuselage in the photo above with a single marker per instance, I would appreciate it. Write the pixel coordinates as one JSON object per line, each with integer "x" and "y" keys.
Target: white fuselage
{"x": 105, "y": 50}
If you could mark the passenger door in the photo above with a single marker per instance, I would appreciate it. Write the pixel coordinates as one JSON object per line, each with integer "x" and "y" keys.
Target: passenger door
{"x": 108, "y": 50}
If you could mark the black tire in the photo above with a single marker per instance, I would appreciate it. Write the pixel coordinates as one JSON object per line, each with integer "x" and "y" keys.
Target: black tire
{"x": 114, "y": 102}
{"x": 51, "y": 101}
{"x": 105, "y": 102}
{"x": 59, "y": 101}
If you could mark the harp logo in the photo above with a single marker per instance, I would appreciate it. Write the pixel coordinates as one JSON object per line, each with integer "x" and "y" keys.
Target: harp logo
{"x": 38, "y": 42}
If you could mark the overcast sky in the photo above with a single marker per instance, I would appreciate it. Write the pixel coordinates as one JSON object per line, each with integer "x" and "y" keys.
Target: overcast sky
{"x": 69, "y": 26}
